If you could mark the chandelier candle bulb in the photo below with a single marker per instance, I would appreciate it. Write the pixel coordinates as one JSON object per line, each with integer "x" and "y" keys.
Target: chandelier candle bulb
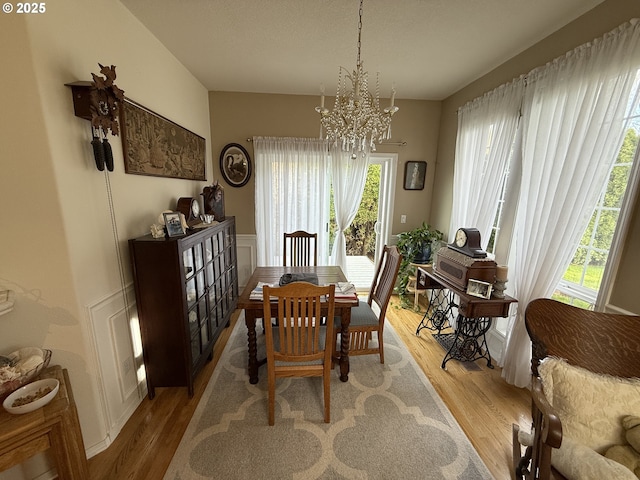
{"x": 501, "y": 273}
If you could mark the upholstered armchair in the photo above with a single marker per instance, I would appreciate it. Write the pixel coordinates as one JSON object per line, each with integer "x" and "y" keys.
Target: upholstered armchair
{"x": 585, "y": 380}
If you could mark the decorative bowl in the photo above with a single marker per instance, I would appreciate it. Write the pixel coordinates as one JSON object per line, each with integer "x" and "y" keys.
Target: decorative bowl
{"x": 32, "y": 396}
{"x": 24, "y": 365}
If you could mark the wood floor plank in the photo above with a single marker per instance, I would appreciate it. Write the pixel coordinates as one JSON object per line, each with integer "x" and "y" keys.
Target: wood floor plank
{"x": 483, "y": 404}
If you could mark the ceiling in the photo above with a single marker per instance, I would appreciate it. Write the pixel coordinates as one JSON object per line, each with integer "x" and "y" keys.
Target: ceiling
{"x": 428, "y": 48}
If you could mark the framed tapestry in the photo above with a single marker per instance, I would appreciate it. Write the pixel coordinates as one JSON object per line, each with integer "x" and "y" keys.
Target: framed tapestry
{"x": 156, "y": 146}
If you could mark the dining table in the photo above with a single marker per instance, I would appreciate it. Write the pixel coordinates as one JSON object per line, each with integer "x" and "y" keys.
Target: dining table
{"x": 253, "y": 309}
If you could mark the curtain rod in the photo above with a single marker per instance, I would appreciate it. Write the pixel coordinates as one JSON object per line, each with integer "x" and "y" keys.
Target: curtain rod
{"x": 399, "y": 144}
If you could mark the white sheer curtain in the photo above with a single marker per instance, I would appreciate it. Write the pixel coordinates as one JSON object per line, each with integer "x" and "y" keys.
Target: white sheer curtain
{"x": 572, "y": 129}
{"x": 348, "y": 176}
{"x": 292, "y": 193}
{"x": 486, "y": 132}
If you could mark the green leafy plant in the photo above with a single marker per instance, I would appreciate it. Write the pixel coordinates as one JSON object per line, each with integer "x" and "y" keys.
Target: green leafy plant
{"x": 416, "y": 246}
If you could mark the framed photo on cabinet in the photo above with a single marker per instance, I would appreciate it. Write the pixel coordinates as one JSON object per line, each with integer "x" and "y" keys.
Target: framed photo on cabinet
{"x": 174, "y": 224}
{"x": 414, "y": 175}
{"x": 478, "y": 288}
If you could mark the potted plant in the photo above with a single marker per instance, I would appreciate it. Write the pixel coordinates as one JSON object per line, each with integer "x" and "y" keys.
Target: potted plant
{"x": 416, "y": 246}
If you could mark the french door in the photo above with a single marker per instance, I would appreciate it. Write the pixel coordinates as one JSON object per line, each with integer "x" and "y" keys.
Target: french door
{"x": 388, "y": 167}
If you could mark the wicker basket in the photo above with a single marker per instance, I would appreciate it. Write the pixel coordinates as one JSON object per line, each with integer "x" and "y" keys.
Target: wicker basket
{"x": 12, "y": 385}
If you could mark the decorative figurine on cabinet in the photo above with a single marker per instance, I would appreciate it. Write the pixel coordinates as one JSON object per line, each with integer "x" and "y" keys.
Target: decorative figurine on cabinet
{"x": 214, "y": 201}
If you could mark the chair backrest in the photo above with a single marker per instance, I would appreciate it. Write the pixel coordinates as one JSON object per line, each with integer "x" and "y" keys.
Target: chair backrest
{"x": 385, "y": 278}
{"x": 300, "y": 249}
{"x": 301, "y": 335}
{"x": 603, "y": 343}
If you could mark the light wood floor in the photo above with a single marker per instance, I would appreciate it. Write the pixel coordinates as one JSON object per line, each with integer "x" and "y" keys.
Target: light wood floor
{"x": 482, "y": 403}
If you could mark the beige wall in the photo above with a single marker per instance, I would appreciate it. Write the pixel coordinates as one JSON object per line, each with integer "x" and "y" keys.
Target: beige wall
{"x": 595, "y": 23}
{"x": 58, "y": 251}
{"x": 238, "y": 116}
{"x": 625, "y": 291}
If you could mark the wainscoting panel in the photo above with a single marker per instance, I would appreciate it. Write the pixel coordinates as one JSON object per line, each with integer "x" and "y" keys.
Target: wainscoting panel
{"x": 247, "y": 258}
{"x": 119, "y": 357}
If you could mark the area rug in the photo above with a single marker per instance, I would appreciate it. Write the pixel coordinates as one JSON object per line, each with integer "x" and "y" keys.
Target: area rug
{"x": 387, "y": 422}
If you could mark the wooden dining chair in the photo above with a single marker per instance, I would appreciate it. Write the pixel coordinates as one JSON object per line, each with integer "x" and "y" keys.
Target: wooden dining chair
{"x": 364, "y": 321}
{"x": 300, "y": 249}
{"x": 299, "y": 345}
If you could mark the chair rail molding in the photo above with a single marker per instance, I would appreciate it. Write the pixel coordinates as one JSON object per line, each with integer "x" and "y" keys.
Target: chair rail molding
{"x": 610, "y": 308}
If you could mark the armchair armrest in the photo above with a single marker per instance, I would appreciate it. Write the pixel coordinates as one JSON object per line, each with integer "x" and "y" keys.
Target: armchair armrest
{"x": 547, "y": 431}
{"x": 546, "y": 434}
{"x": 550, "y": 427}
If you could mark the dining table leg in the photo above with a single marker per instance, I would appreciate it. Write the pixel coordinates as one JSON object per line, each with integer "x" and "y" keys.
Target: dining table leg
{"x": 345, "y": 320}
{"x": 250, "y": 321}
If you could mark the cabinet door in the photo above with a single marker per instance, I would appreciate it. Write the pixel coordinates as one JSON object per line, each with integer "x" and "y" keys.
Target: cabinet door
{"x": 199, "y": 330}
{"x": 189, "y": 277}
{"x": 198, "y": 255}
{"x": 193, "y": 260}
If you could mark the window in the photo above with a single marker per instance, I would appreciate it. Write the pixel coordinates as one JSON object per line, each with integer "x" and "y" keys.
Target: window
{"x": 495, "y": 229}
{"x": 292, "y": 193}
{"x": 582, "y": 280}
{"x": 580, "y": 284}
{"x": 575, "y": 113}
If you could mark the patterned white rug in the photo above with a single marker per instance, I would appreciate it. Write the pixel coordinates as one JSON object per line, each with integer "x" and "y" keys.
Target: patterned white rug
{"x": 387, "y": 422}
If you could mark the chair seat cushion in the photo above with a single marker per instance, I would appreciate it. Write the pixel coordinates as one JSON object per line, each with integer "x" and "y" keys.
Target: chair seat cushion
{"x": 282, "y": 363}
{"x": 361, "y": 316}
{"x": 579, "y": 462}
{"x": 276, "y": 346}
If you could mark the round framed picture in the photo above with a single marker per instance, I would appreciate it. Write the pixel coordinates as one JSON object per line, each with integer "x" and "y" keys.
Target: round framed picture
{"x": 235, "y": 165}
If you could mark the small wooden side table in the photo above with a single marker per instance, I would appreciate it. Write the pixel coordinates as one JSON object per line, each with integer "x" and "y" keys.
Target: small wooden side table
{"x": 417, "y": 282}
{"x": 54, "y": 426}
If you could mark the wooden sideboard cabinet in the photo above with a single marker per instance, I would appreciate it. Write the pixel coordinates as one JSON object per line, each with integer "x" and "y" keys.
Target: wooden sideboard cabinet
{"x": 186, "y": 290}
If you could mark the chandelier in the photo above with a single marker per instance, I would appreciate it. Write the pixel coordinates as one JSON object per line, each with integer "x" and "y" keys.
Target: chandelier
{"x": 356, "y": 122}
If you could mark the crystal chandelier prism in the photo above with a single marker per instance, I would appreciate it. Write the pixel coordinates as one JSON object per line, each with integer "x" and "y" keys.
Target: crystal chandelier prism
{"x": 356, "y": 122}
